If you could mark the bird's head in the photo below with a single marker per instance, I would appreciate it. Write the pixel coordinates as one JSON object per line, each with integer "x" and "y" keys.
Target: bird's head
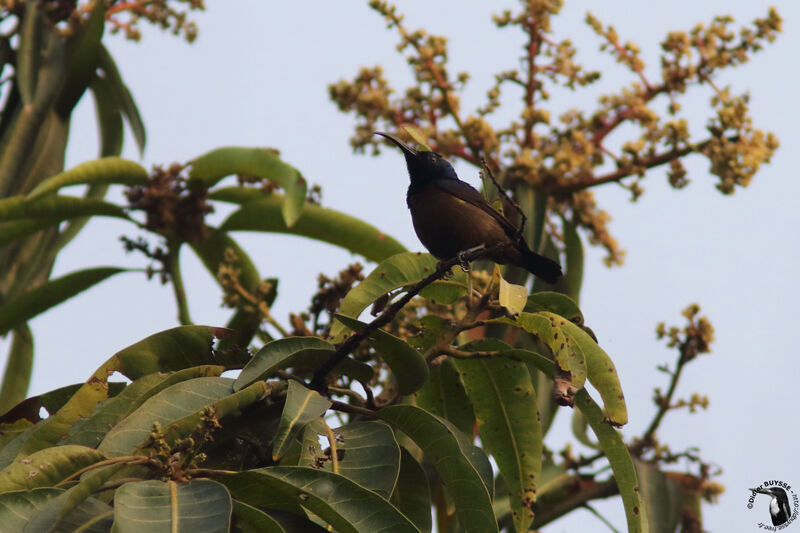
{"x": 423, "y": 165}
{"x": 771, "y": 491}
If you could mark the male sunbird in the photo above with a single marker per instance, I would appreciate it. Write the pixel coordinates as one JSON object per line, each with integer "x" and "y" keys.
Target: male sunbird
{"x": 450, "y": 216}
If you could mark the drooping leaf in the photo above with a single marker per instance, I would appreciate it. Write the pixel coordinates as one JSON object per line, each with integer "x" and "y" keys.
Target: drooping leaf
{"x": 29, "y": 52}
{"x": 348, "y": 507}
{"x": 20, "y": 508}
{"x": 444, "y": 396}
{"x": 397, "y": 271}
{"x": 17, "y": 374}
{"x": 22, "y": 308}
{"x": 109, "y": 117}
{"x": 573, "y": 276}
{"x": 662, "y": 497}
{"x": 249, "y": 519}
{"x": 298, "y": 352}
{"x": 367, "y": 454}
{"x": 107, "y": 170}
{"x": 47, "y": 467}
{"x": 504, "y": 401}
{"x": 209, "y": 168}
{"x": 57, "y": 207}
{"x": 407, "y": 364}
{"x": 555, "y": 302}
{"x": 92, "y": 430}
{"x": 123, "y": 97}
{"x": 464, "y": 469}
{"x": 620, "y": 460}
{"x": 513, "y": 297}
{"x": 83, "y": 51}
{"x": 315, "y": 222}
{"x": 302, "y": 406}
{"x": 412, "y": 495}
{"x": 197, "y": 505}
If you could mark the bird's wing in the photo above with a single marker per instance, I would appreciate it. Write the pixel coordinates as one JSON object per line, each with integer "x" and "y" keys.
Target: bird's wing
{"x": 464, "y": 191}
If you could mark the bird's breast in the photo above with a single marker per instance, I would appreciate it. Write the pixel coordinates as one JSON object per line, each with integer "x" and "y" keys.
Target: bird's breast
{"x": 447, "y": 225}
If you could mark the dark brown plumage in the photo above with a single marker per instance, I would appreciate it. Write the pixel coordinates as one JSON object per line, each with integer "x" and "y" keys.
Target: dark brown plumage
{"x": 450, "y": 216}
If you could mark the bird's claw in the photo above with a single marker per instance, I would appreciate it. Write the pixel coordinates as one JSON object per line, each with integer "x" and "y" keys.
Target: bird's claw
{"x": 462, "y": 256}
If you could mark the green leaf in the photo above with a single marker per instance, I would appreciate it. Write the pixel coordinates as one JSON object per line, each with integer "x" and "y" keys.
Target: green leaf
{"x": 211, "y": 252}
{"x": 249, "y": 519}
{"x": 109, "y": 117}
{"x": 47, "y": 467}
{"x": 504, "y": 401}
{"x": 662, "y": 497}
{"x": 301, "y": 407}
{"x": 29, "y": 52}
{"x": 24, "y": 511}
{"x": 317, "y": 223}
{"x": 573, "y": 277}
{"x": 22, "y": 308}
{"x": 123, "y": 97}
{"x": 399, "y": 270}
{"x": 368, "y": 454}
{"x": 407, "y": 364}
{"x": 169, "y": 405}
{"x": 17, "y": 374}
{"x": 620, "y": 460}
{"x": 92, "y": 430}
{"x": 17, "y": 229}
{"x": 580, "y": 429}
{"x": 555, "y": 302}
{"x": 208, "y": 169}
{"x": 417, "y": 136}
{"x": 107, "y": 170}
{"x": 444, "y": 396}
{"x": 348, "y": 507}
{"x": 412, "y": 495}
{"x": 57, "y": 207}
{"x": 298, "y": 352}
{"x": 197, "y": 505}
{"x": 464, "y": 469}
{"x": 83, "y": 51}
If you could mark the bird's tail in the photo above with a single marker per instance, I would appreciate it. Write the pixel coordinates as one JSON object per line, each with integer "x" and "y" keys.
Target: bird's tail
{"x": 540, "y": 266}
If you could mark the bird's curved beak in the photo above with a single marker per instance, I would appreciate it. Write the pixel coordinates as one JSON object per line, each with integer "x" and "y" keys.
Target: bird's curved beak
{"x": 407, "y": 150}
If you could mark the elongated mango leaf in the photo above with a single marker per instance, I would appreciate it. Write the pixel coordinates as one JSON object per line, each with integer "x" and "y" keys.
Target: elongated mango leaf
{"x": 22, "y": 308}
{"x": 173, "y": 349}
{"x": 573, "y": 277}
{"x": 620, "y": 460}
{"x": 198, "y": 505}
{"x": 25, "y": 511}
{"x": 397, "y": 271}
{"x": 662, "y": 496}
{"x": 298, "y": 352}
{"x": 29, "y": 53}
{"x": 301, "y": 407}
{"x": 57, "y": 207}
{"x": 91, "y": 431}
{"x": 109, "y": 117}
{"x": 412, "y": 495}
{"x": 166, "y": 407}
{"x": 209, "y": 168}
{"x": 464, "y": 469}
{"x": 555, "y": 302}
{"x": 317, "y": 223}
{"x": 17, "y": 374}
{"x": 504, "y": 401}
{"x": 407, "y": 364}
{"x": 47, "y": 467}
{"x": 16, "y": 229}
{"x": 444, "y": 396}
{"x": 123, "y": 97}
{"x": 348, "y": 507}
{"x": 367, "y": 453}
{"x": 107, "y": 170}
{"x": 550, "y": 329}
{"x": 249, "y": 519}
{"x": 83, "y": 51}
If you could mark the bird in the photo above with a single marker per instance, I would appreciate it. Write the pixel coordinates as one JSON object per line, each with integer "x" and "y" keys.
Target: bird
{"x": 779, "y": 508}
{"x": 451, "y": 217}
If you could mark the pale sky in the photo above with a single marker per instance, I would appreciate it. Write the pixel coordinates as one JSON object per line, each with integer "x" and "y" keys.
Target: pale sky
{"x": 258, "y": 76}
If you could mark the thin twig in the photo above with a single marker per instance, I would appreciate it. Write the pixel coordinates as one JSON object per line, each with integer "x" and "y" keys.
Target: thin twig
{"x": 334, "y": 454}
{"x": 508, "y": 198}
{"x": 318, "y": 381}
{"x": 174, "y": 267}
{"x": 347, "y": 408}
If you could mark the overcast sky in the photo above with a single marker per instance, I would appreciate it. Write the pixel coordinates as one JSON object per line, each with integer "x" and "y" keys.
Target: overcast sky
{"x": 257, "y": 76}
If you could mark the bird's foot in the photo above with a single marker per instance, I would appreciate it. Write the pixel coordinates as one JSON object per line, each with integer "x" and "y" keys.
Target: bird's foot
{"x": 462, "y": 256}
